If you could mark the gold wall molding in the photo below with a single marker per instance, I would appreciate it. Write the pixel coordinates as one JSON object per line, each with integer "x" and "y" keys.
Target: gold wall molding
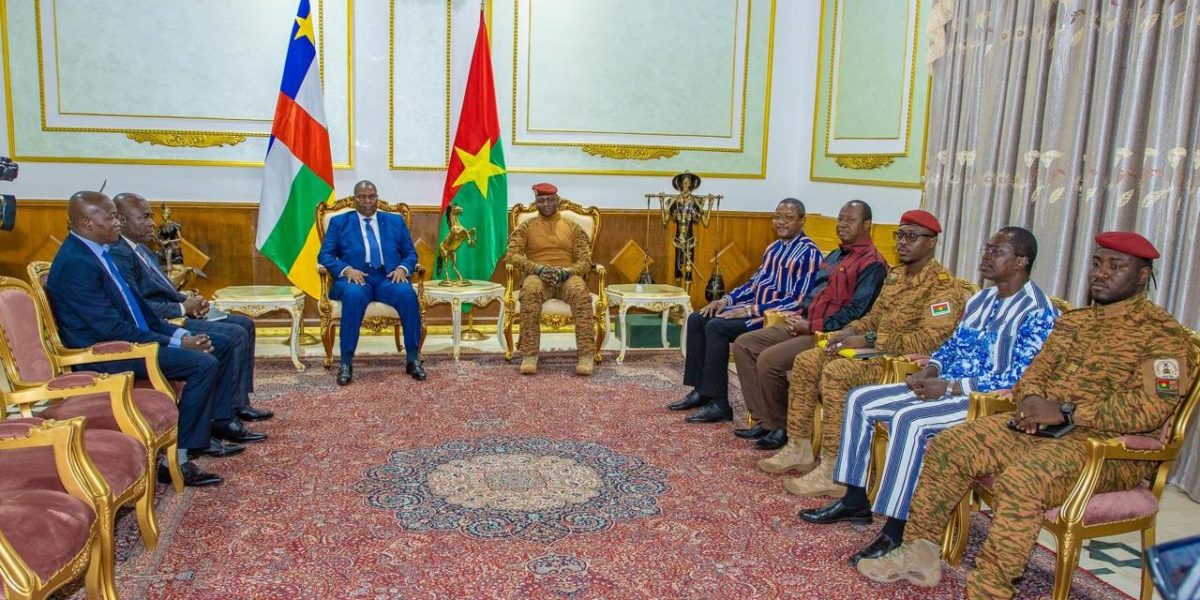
{"x": 864, "y": 163}
{"x": 186, "y": 139}
{"x": 629, "y": 152}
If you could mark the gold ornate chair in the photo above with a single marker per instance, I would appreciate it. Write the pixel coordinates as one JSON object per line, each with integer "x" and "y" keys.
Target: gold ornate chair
{"x": 1085, "y": 513}
{"x": 34, "y": 356}
{"x": 379, "y": 315}
{"x": 555, "y": 313}
{"x": 50, "y": 533}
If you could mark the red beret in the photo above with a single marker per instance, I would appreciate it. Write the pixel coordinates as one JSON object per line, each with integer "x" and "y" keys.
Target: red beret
{"x": 545, "y": 189}
{"x": 923, "y": 218}
{"x": 1129, "y": 243}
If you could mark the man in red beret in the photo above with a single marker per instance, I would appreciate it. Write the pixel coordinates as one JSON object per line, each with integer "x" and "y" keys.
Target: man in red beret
{"x": 552, "y": 255}
{"x": 1118, "y": 367}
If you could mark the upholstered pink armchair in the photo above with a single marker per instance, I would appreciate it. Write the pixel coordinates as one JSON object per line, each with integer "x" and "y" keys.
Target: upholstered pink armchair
{"x": 1086, "y": 514}
{"x": 49, "y": 530}
{"x": 32, "y": 361}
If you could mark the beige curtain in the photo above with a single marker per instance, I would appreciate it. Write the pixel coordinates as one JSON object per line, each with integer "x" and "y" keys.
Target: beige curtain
{"x": 1071, "y": 118}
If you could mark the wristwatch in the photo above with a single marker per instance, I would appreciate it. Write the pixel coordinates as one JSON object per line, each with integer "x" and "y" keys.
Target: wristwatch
{"x": 1068, "y": 411}
{"x": 870, "y": 335}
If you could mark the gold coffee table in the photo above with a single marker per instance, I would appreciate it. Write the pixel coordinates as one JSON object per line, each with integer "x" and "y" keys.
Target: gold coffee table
{"x": 257, "y": 300}
{"x": 479, "y": 293}
{"x": 650, "y": 296}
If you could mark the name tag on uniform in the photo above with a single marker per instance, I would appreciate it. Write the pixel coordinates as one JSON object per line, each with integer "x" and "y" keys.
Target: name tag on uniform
{"x": 938, "y": 309}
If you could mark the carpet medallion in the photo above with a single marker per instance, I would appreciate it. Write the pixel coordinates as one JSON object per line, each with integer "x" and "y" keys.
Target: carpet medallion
{"x": 531, "y": 489}
{"x": 481, "y": 483}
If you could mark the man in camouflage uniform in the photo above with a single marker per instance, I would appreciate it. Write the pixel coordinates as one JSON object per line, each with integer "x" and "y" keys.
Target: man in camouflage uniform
{"x": 916, "y": 311}
{"x": 552, "y": 255}
{"x": 1118, "y": 367}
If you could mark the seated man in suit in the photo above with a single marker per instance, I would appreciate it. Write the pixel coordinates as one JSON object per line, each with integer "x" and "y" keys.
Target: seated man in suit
{"x": 371, "y": 254}
{"x": 552, "y": 255}
{"x": 93, "y": 303}
{"x": 140, "y": 268}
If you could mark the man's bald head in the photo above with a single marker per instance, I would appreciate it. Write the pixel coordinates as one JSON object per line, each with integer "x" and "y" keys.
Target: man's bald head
{"x": 93, "y": 216}
{"x": 137, "y": 220}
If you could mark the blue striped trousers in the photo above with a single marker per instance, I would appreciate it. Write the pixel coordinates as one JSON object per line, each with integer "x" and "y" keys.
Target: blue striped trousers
{"x": 911, "y": 423}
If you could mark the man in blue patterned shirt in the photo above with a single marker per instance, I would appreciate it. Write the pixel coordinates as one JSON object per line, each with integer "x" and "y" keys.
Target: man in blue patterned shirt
{"x": 787, "y": 270}
{"x": 1001, "y": 330}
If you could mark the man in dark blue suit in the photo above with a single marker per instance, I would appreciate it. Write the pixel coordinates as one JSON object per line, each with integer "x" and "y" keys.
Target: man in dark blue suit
{"x": 233, "y": 335}
{"x": 93, "y": 303}
{"x": 371, "y": 254}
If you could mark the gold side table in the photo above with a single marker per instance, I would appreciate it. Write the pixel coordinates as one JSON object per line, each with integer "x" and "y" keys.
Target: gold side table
{"x": 257, "y": 300}
{"x": 650, "y": 296}
{"x": 479, "y": 293}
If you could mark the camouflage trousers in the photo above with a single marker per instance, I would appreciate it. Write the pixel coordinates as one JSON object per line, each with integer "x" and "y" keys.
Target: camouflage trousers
{"x": 1032, "y": 474}
{"x": 574, "y": 292}
{"x": 816, "y": 378}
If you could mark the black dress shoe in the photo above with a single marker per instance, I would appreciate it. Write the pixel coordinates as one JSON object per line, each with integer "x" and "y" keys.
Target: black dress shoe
{"x": 751, "y": 433}
{"x": 237, "y": 433}
{"x": 217, "y": 449}
{"x": 345, "y": 372}
{"x": 711, "y": 413}
{"x": 773, "y": 440}
{"x": 193, "y": 475}
{"x": 691, "y": 400}
{"x": 837, "y": 513}
{"x": 882, "y": 545}
{"x": 415, "y": 370}
{"x": 249, "y": 413}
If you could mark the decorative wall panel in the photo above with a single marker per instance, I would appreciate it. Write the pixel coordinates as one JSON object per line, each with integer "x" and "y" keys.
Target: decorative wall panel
{"x": 871, "y": 93}
{"x": 151, "y": 82}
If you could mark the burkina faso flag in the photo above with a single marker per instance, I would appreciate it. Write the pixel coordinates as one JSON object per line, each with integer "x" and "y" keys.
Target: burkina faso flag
{"x": 476, "y": 178}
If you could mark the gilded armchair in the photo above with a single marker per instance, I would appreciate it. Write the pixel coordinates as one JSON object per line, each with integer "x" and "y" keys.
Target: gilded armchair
{"x": 33, "y": 564}
{"x": 379, "y": 315}
{"x": 1086, "y": 513}
{"x": 36, "y": 356}
{"x": 556, "y": 314}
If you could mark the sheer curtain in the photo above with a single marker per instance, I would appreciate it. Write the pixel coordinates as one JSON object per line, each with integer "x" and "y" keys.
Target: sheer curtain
{"x": 1070, "y": 118}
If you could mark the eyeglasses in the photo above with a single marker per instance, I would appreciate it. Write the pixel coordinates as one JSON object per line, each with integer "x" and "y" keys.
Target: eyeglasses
{"x": 909, "y": 236}
{"x": 993, "y": 250}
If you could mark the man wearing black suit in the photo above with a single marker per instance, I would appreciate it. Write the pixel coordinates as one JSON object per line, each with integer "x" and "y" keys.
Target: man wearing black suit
{"x": 141, "y": 269}
{"x": 370, "y": 255}
{"x": 93, "y": 303}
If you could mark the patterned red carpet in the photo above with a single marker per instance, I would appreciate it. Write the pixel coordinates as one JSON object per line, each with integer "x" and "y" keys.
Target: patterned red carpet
{"x": 480, "y": 483}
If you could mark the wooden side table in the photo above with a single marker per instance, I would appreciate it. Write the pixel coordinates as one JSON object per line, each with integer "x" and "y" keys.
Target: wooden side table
{"x": 650, "y": 296}
{"x": 479, "y": 293}
{"x": 257, "y": 300}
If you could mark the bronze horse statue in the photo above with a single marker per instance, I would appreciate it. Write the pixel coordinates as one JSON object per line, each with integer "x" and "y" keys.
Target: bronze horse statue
{"x": 448, "y": 248}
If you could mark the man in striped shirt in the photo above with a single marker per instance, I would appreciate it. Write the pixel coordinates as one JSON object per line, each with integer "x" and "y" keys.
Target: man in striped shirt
{"x": 1001, "y": 330}
{"x": 787, "y": 271}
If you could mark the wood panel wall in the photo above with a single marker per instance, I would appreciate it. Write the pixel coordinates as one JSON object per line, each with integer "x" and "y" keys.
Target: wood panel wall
{"x": 226, "y": 232}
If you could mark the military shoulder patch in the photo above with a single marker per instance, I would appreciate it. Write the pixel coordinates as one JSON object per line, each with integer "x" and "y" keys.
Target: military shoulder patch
{"x": 1166, "y": 376}
{"x": 938, "y": 309}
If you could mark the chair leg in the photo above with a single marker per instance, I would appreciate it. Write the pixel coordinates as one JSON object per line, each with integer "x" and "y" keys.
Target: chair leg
{"x": 399, "y": 340}
{"x": 147, "y": 522}
{"x": 107, "y": 585}
{"x": 601, "y": 331}
{"x": 1147, "y": 542}
{"x": 508, "y": 335}
{"x": 327, "y": 331}
{"x": 818, "y": 416}
{"x": 173, "y": 466}
{"x": 1064, "y": 569}
{"x": 954, "y": 539}
{"x": 95, "y": 577}
{"x": 879, "y": 443}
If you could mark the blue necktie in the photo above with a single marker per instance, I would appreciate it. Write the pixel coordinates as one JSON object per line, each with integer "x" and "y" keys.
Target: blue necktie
{"x": 130, "y": 299}
{"x": 373, "y": 242}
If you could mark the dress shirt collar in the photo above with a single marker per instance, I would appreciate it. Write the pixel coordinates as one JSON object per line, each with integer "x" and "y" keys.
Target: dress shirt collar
{"x": 97, "y": 249}
{"x": 858, "y": 245}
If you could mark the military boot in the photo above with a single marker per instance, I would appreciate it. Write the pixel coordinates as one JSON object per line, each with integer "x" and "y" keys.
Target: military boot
{"x": 918, "y": 562}
{"x": 586, "y": 364}
{"x": 817, "y": 482}
{"x": 796, "y": 454}
{"x": 529, "y": 364}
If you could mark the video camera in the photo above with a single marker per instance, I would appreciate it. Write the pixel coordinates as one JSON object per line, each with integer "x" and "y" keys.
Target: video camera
{"x": 8, "y": 202}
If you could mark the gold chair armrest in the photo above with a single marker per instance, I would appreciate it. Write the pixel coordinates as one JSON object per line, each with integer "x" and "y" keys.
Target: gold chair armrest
{"x": 109, "y": 351}
{"x": 117, "y": 386}
{"x": 1099, "y": 451}
{"x": 897, "y": 368}
{"x": 983, "y": 404}
{"x": 79, "y": 477}
{"x": 820, "y": 336}
{"x": 601, "y": 287}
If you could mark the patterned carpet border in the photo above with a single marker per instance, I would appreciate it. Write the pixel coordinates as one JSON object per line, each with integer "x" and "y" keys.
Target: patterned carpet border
{"x": 295, "y": 520}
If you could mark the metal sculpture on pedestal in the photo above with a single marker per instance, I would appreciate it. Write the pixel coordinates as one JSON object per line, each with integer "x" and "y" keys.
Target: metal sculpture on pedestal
{"x": 448, "y": 249}
{"x": 686, "y": 210}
